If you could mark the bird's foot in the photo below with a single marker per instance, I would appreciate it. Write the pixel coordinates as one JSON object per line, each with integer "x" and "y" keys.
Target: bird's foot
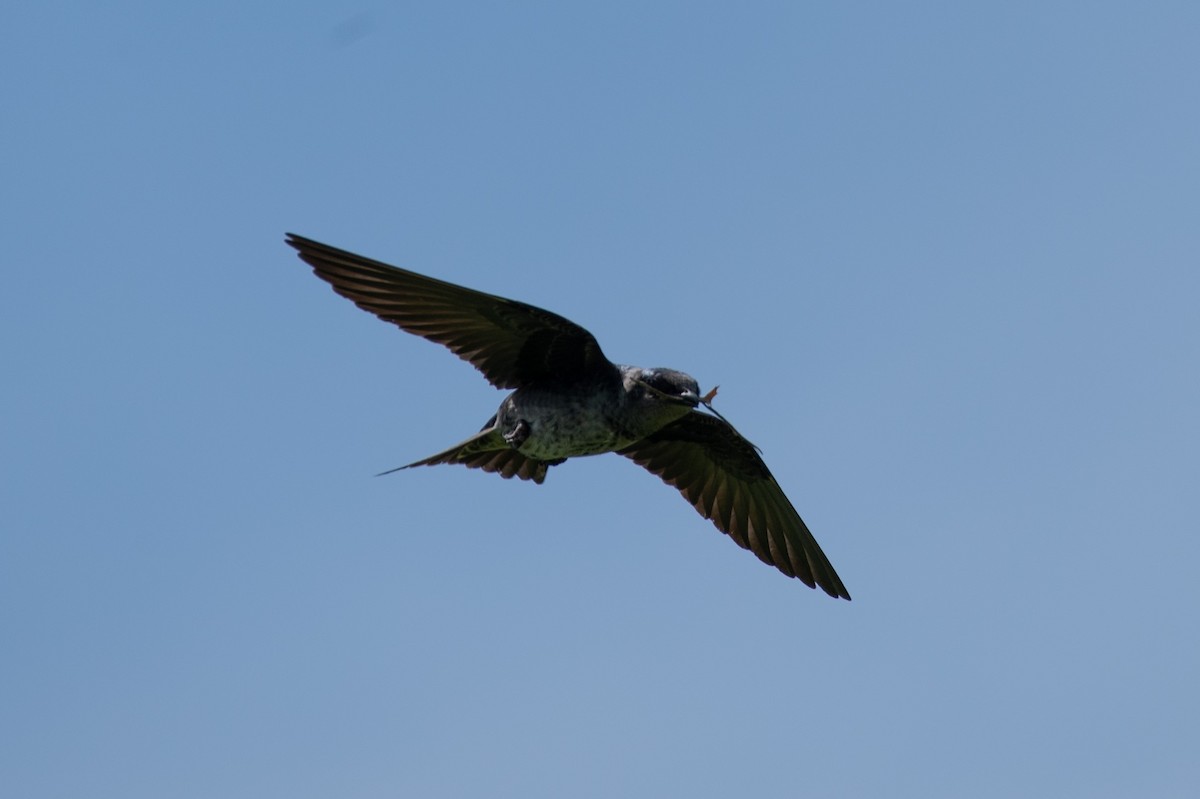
{"x": 518, "y": 435}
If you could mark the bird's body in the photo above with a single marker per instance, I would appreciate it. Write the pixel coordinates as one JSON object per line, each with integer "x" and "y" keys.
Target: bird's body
{"x": 570, "y": 401}
{"x": 601, "y": 414}
{"x": 567, "y": 421}
{"x": 549, "y": 422}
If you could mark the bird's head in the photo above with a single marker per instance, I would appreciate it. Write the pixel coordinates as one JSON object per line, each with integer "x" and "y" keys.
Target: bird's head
{"x": 661, "y": 395}
{"x": 669, "y": 386}
{"x": 674, "y": 394}
{"x": 669, "y": 392}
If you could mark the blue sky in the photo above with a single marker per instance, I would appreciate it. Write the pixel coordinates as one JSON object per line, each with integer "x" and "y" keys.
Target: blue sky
{"x": 941, "y": 258}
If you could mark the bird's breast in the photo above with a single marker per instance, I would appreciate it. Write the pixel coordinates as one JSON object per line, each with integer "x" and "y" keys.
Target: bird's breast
{"x": 565, "y": 425}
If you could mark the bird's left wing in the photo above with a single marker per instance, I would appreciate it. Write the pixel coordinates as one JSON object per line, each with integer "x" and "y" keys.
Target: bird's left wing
{"x": 724, "y": 478}
{"x": 512, "y": 343}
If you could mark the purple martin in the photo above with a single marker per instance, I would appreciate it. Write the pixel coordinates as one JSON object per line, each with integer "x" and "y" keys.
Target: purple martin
{"x": 569, "y": 400}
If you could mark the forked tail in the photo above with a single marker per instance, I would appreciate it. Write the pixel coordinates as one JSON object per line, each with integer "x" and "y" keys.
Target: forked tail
{"x": 488, "y": 450}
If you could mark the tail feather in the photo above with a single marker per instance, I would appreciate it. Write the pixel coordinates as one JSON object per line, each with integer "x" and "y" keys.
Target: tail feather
{"x": 487, "y": 450}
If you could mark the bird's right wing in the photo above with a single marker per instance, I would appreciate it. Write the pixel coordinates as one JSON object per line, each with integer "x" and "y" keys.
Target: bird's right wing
{"x": 726, "y": 481}
{"x": 512, "y": 343}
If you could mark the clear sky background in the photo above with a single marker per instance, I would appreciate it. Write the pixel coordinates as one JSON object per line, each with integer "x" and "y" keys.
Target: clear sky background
{"x": 942, "y": 258}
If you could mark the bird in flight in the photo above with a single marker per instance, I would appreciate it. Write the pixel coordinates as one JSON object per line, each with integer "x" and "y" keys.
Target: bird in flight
{"x": 569, "y": 400}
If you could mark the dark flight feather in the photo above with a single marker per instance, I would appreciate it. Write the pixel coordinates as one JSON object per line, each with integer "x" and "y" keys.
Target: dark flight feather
{"x": 511, "y": 343}
{"x": 722, "y": 476}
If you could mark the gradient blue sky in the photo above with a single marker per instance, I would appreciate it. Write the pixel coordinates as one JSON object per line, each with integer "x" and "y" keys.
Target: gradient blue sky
{"x": 942, "y": 259}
